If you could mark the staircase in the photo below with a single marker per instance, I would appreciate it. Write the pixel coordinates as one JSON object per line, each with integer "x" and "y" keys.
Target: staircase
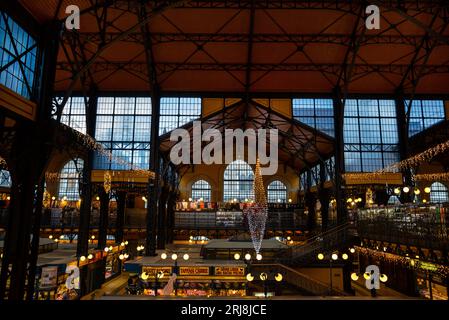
{"x": 325, "y": 241}
{"x": 299, "y": 280}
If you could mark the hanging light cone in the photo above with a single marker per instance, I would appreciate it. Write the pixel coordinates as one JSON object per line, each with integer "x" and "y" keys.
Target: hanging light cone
{"x": 257, "y": 213}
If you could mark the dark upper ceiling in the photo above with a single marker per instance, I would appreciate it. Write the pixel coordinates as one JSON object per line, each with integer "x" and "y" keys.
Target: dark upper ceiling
{"x": 238, "y": 46}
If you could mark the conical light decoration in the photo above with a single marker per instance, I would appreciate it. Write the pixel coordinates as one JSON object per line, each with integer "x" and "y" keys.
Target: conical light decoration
{"x": 107, "y": 181}
{"x": 258, "y": 212}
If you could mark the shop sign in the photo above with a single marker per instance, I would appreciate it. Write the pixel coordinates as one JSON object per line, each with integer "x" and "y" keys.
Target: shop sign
{"x": 151, "y": 271}
{"x": 229, "y": 271}
{"x": 428, "y": 266}
{"x": 49, "y": 277}
{"x": 194, "y": 271}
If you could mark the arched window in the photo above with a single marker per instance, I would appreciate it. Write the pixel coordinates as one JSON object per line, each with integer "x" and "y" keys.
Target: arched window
{"x": 5, "y": 179}
{"x": 277, "y": 192}
{"x": 69, "y": 180}
{"x": 394, "y": 200}
{"x": 238, "y": 182}
{"x": 201, "y": 189}
{"x": 438, "y": 193}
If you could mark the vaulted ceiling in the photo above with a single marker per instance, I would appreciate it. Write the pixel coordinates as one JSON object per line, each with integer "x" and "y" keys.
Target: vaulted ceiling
{"x": 244, "y": 46}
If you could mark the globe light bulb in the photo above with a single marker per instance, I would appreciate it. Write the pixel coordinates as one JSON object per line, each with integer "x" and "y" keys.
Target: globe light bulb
{"x": 249, "y": 277}
{"x": 427, "y": 190}
{"x": 247, "y": 256}
{"x": 237, "y": 256}
{"x": 354, "y": 276}
{"x": 334, "y": 256}
{"x": 278, "y": 277}
{"x": 164, "y": 256}
{"x": 174, "y": 256}
{"x": 383, "y": 278}
{"x": 186, "y": 257}
{"x": 259, "y": 257}
{"x": 345, "y": 256}
{"x": 320, "y": 256}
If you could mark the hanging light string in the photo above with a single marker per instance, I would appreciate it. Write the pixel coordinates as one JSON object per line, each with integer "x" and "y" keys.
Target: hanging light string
{"x": 93, "y": 145}
{"x": 409, "y": 163}
{"x": 405, "y": 261}
{"x": 443, "y": 176}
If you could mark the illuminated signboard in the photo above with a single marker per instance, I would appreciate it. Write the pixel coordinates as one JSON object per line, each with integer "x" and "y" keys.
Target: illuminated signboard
{"x": 151, "y": 271}
{"x": 428, "y": 266}
{"x": 194, "y": 271}
{"x": 229, "y": 271}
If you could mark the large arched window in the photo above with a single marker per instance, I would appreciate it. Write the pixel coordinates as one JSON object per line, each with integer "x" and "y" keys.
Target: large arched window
{"x": 238, "y": 182}
{"x": 438, "y": 193}
{"x": 201, "y": 190}
{"x": 69, "y": 180}
{"x": 277, "y": 192}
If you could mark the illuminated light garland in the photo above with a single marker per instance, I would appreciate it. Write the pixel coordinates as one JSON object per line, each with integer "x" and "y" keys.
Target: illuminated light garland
{"x": 405, "y": 261}
{"x": 107, "y": 182}
{"x": 433, "y": 176}
{"x": 409, "y": 163}
{"x": 257, "y": 213}
{"x": 92, "y": 144}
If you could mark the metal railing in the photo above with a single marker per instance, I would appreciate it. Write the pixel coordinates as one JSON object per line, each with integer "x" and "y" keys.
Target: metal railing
{"x": 300, "y": 280}
{"x": 324, "y": 241}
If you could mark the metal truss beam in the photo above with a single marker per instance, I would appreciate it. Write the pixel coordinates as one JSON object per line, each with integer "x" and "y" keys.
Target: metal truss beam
{"x": 337, "y": 39}
{"x": 140, "y": 67}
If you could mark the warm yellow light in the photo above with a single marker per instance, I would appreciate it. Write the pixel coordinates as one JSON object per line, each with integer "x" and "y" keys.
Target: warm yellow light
{"x": 427, "y": 189}
{"x": 247, "y": 256}
{"x": 122, "y": 244}
{"x": 98, "y": 198}
{"x": 259, "y": 257}
{"x": 185, "y": 257}
{"x": 383, "y": 278}
{"x": 278, "y": 277}
{"x": 289, "y": 200}
{"x": 263, "y": 276}
{"x": 93, "y": 237}
{"x": 397, "y": 191}
{"x": 50, "y": 237}
{"x": 345, "y": 256}
{"x": 110, "y": 248}
{"x": 235, "y": 200}
{"x": 354, "y": 276}
{"x": 106, "y": 249}
{"x": 320, "y": 256}
{"x": 126, "y": 242}
{"x": 82, "y": 258}
{"x": 417, "y": 192}
{"x": 121, "y": 257}
{"x": 424, "y": 201}
{"x": 190, "y": 241}
{"x": 334, "y": 256}
{"x": 237, "y": 256}
{"x": 190, "y": 199}
{"x": 352, "y": 250}
{"x": 349, "y": 200}
{"x": 367, "y": 275}
{"x": 90, "y": 256}
{"x": 160, "y": 274}
{"x": 174, "y": 256}
{"x": 406, "y": 189}
{"x": 249, "y": 277}
{"x": 52, "y": 198}
{"x": 126, "y": 256}
{"x": 289, "y": 238}
{"x": 64, "y": 198}
{"x": 144, "y": 276}
{"x": 56, "y": 240}
{"x": 164, "y": 256}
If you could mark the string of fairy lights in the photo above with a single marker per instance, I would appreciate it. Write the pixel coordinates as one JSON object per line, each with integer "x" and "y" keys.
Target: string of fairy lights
{"x": 93, "y": 145}
{"x": 407, "y": 262}
{"x": 409, "y": 163}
